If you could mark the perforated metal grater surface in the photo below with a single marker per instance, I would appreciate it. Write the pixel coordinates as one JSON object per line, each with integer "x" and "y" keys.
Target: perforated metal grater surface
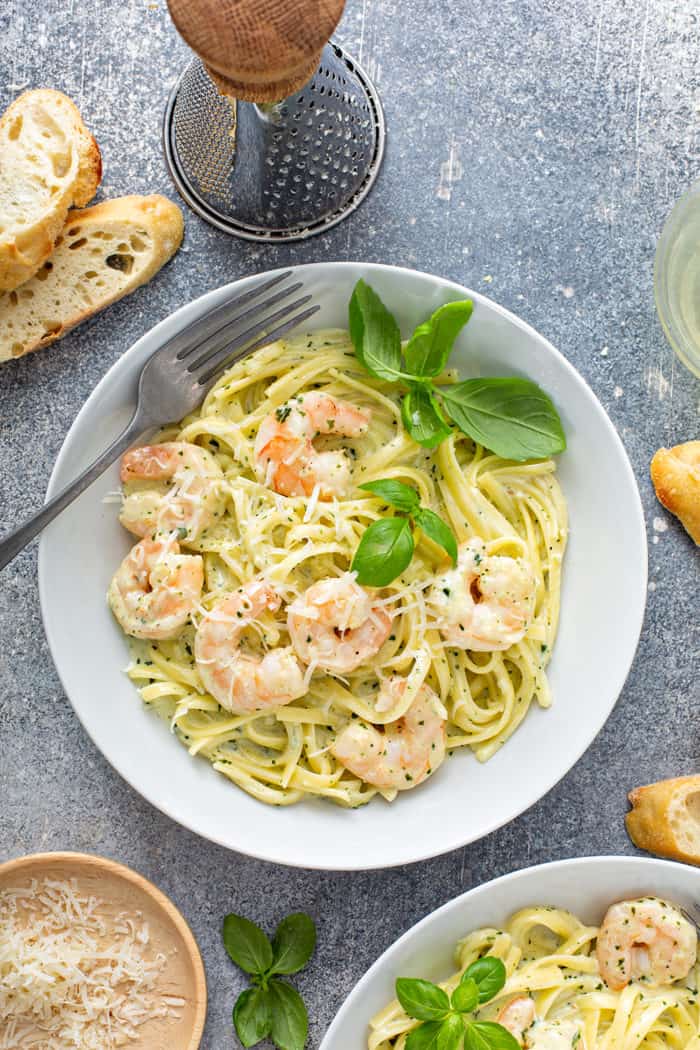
{"x": 277, "y": 172}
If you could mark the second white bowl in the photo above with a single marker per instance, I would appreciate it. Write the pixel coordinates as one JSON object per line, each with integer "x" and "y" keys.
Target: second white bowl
{"x": 585, "y": 887}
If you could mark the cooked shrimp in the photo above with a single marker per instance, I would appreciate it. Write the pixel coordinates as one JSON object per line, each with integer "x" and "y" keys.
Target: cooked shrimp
{"x": 487, "y": 602}
{"x": 155, "y": 589}
{"x": 401, "y": 754}
{"x": 285, "y": 457}
{"x": 189, "y": 507}
{"x": 239, "y": 682}
{"x": 647, "y": 940}
{"x": 519, "y": 1017}
{"x": 336, "y": 625}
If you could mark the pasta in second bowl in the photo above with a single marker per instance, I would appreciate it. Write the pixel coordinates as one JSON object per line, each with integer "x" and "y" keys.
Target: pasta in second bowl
{"x": 596, "y": 953}
{"x": 82, "y": 549}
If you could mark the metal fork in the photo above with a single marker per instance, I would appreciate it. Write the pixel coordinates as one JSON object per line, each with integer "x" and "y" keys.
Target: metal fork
{"x": 176, "y": 378}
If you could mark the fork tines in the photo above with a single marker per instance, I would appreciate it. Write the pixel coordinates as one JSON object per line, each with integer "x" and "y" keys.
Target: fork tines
{"x": 236, "y": 328}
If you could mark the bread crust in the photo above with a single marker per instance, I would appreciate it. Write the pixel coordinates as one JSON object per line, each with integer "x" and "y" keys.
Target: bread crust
{"x": 25, "y": 247}
{"x": 665, "y": 818}
{"x": 675, "y": 473}
{"x": 157, "y": 216}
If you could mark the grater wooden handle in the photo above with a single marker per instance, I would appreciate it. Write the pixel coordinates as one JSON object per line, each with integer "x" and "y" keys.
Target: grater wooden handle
{"x": 257, "y": 50}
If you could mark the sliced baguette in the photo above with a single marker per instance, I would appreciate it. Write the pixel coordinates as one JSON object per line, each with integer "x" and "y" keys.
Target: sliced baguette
{"x": 675, "y": 473}
{"x": 49, "y": 162}
{"x": 665, "y": 818}
{"x": 104, "y": 253}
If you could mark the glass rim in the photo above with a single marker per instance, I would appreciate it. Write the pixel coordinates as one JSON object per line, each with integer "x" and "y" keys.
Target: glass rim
{"x": 686, "y": 350}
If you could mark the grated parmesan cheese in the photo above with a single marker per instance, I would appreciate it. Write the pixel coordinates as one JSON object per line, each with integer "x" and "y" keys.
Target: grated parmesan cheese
{"x": 73, "y": 977}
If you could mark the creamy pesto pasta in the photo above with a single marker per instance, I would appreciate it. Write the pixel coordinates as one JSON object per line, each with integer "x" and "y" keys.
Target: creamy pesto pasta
{"x": 550, "y": 959}
{"x": 517, "y": 509}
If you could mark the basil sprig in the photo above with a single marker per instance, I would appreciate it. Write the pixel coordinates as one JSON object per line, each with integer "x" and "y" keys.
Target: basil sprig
{"x": 511, "y": 416}
{"x": 387, "y": 545}
{"x": 270, "y": 1008}
{"x": 446, "y": 1024}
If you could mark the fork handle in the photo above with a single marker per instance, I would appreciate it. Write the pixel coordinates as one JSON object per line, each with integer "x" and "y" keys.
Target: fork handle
{"x": 16, "y": 541}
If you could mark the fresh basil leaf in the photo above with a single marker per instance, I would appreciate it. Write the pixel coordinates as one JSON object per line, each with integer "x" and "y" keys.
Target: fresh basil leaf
{"x": 465, "y": 997}
{"x": 293, "y": 943}
{"x": 290, "y": 1021}
{"x": 487, "y": 1035}
{"x": 489, "y": 973}
{"x": 423, "y": 418}
{"x": 252, "y": 1016}
{"x": 430, "y": 345}
{"x": 425, "y": 1037}
{"x": 422, "y": 999}
{"x": 395, "y": 493}
{"x": 374, "y": 333}
{"x": 247, "y": 945}
{"x": 436, "y": 530}
{"x": 384, "y": 551}
{"x": 437, "y": 1035}
{"x": 510, "y": 416}
{"x": 450, "y": 1038}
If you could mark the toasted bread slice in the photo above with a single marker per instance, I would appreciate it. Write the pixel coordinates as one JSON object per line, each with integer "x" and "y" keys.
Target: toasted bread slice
{"x": 104, "y": 253}
{"x": 49, "y": 162}
{"x": 675, "y": 473}
{"x": 665, "y": 818}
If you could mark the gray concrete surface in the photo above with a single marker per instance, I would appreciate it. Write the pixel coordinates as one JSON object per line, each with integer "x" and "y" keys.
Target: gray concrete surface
{"x": 534, "y": 151}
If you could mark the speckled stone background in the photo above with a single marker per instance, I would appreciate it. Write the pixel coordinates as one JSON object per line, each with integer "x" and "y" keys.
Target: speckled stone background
{"x": 534, "y": 151}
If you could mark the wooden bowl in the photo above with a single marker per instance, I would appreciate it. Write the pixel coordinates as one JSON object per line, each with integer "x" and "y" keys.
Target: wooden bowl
{"x": 121, "y": 889}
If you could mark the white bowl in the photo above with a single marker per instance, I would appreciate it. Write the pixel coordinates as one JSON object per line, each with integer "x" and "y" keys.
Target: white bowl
{"x": 602, "y": 610}
{"x": 585, "y": 887}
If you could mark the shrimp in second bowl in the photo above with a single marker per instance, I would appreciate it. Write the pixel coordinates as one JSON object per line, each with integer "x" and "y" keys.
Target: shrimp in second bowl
{"x": 647, "y": 940}
{"x": 240, "y": 682}
{"x": 285, "y": 457}
{"x": 401, "y": 754}
{"x": 336, "y": 626}
{"x": 189, "y": 507}
{"x": 487, "y": 602}
{"x": 533, "y": 1033}
{"x": 155, "y": 589}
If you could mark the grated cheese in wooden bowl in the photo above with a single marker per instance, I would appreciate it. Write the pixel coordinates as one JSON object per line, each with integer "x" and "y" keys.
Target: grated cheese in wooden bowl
{"x": 74, "y": 976}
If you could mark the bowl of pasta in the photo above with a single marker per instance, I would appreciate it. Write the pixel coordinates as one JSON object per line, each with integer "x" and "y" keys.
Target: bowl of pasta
{"x": 590, "y": 953}
{"x": 360, "y": 581}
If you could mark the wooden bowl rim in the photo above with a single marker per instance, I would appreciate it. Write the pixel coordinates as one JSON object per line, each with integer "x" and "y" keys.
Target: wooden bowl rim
{"x": 163, "y": 902}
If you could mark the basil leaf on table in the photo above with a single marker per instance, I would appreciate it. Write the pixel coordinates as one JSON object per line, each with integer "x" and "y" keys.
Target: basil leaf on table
{"x": 489, "y": 973}
{"x": 488, "y": 1035}
{"x": 384, "y": 551}
{"x": 510, "y": 416}
{"x": 293, "y": 943}
{"x": 374, "y": 333}
{"x": 247, "y": 945}
{"x": 465, "y": 997}
{"x": 395, "y": 493}
{"x": 290, "y": 1021}
{"x": 430, "y": 345}
{"x": 437, "y": 1035}
{"x": 432, "y": 525}
{"x": 422, "y": 999}
{"x": 423, "y": 418}
{"x": 252, "y": 1016}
